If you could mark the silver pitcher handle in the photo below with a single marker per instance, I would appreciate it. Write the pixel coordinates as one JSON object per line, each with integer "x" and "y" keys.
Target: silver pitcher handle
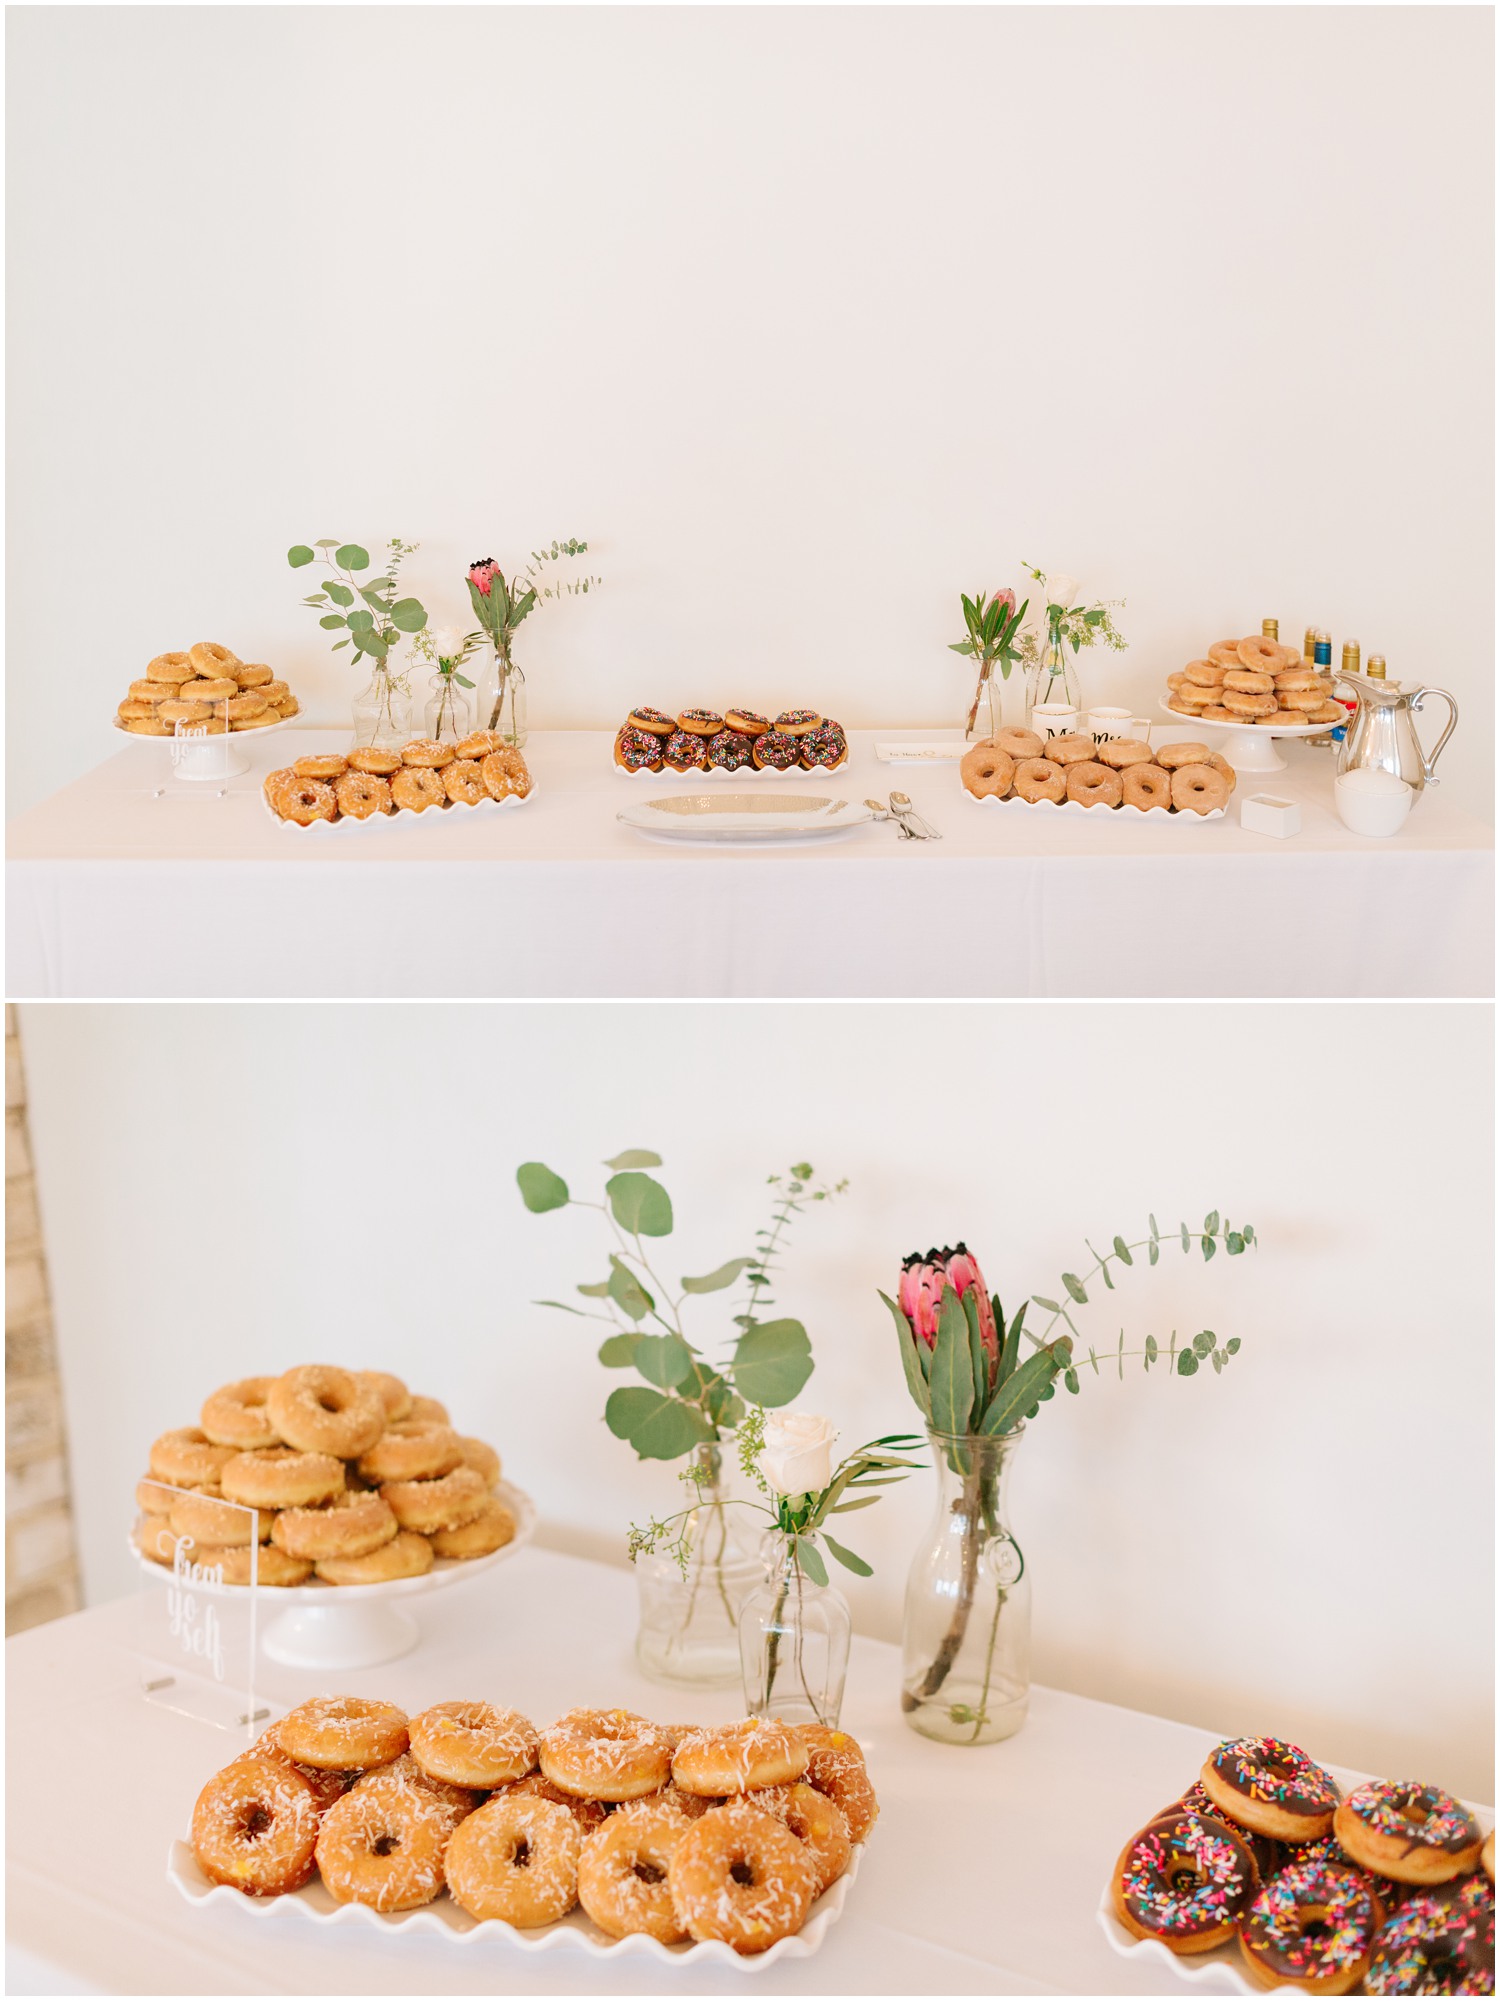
{"x": 1437, "y": 749}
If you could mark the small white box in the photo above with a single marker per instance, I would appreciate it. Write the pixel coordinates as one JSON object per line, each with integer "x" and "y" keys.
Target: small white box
{"x": 1263, "y": 813}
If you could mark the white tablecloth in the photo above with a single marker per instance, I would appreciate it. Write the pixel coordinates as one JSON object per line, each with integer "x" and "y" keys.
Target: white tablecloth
{"x": 116, "y": 893}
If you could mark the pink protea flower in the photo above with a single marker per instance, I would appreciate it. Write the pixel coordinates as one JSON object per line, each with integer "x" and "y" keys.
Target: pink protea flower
{"x": 1007, "y": 598}
{"x": 483, "y": 573}
{"x": 924, "y": 1280}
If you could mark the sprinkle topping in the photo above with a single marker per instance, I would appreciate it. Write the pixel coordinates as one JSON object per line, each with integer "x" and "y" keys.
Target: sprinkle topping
{"x": 1311, "y": 1921}
{"x": 1186, "y": 1874}
{"x": 1439, "y": 1942}
{"x": 1266, "y": 1768}
{"x": 1422, "y": 1816}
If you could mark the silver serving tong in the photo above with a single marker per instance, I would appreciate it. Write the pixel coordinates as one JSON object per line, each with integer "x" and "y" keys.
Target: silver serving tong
{"x": 922, "y": 830}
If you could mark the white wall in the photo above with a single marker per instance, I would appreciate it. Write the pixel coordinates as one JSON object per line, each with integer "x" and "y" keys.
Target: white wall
{"x": 1304, "y": 1545}
{"x": 808, "y": 318}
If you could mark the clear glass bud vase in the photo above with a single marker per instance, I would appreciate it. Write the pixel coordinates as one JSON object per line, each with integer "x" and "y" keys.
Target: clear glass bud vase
{"x": 500, "y": 699}
{"x": 382, "y": 711}
{"x": 966, "y": 1635}
{"x": 1054, "y": 678}
{"x": 689, "y": 1614}
{"x": 449, "y": 714}
{"x": 794, "y": 1642}
{"x": 985, "y": 717}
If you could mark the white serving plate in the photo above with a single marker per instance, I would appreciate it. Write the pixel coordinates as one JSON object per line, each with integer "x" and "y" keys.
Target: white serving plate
{"x": 1251, "y": 746}
{"x": 403, "y": 816}
{"x": 1128, "y": 813}
{"x": 714, "y": 774}
{"x": 574, "y": 1935}
{"x": 745, "y": 817}
{"x": 206, "y": 757}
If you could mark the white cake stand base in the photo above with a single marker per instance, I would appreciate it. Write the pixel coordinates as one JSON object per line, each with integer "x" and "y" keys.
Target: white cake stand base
{"x": 1248, "y": 746}
{"x": 327, "y": 1634}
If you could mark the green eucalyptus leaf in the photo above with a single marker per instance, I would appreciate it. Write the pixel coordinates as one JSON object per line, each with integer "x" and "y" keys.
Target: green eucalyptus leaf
{"x": 333, "y": 619}
{"x": 664, "y": 1359}
{"x": 340, "y": 593}
{"x": 1122, "y": 1251}
{"x": 1210, "y": 1245}
{"x": 635, "y": 1156}
{"x": 1203, "y": 1344}
{"x": 1234, "y": 1243}
{"x": 361, "y": 620}
{"x": 1232, "y": 1345}
{"x": 916, "y": 1382}
{"x": 1074, "y": 1289}
{"x": 627, "y": 1292}
{"x": 847, "y": 1557}
{"x": 1150, "y": 1348}
{"x": 1047, "y": 1305}
{"x": 599, "y": 1291}
{"x": 408, "y": 615}
{"x": 299, "y": 556}
{"x": 541, "y": 1189}
{"x": 658, "y": 1426}
{"x": 351, "y": 557}
{"x": 810, "y": 1560}
{"x": 1070, "y": 1381}
{"x": 640, "y": 1205}
{"x": 951, "y": 1383}
{"x": 1211, "y": 1223}
{"x": 772, "y": 1363}
{"x": 716, "y": 1281}
{"x": 1154, "y": 1251}
{"x": 1187, "y": 1363}
{"x": 618, "y": 1352}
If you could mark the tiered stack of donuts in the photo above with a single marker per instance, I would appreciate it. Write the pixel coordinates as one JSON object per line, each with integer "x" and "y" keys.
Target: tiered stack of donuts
{"x": 1176, "y": 777}
{"x": 208, "y": 688}
{"x": 1392, "y": 1887}
{"x": 361, "y": 784}
{"x": 353, "y": 1480}
{"x": 1254, "y": 680}
{"x": 678, "y": 1833}
{"x": 739, "y": 740}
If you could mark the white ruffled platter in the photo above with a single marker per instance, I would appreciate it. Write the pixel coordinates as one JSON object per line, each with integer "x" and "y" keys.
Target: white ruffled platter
{"x": 714, "y": 773}
{"x": 342, "y": 828}
{"x": 1128, "y": 813}
{"x": 574, "y": 1935}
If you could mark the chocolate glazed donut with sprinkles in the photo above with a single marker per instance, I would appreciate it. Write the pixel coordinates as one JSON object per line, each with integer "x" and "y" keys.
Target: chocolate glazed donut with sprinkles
{"x": 1272, "y": 1788}
{"x": 1416, "y": 1833}
{"x": 1439, "y": 1942}
{"x": 1312, "y": 1926}
{"x": 1184, "y": 1881}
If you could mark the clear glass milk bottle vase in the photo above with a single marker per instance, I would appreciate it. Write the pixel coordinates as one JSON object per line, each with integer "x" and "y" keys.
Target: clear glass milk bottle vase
{"x": 794, "y": 1638}
{"x": 690, "y": 1610}
{"x": 1053, "y": 680}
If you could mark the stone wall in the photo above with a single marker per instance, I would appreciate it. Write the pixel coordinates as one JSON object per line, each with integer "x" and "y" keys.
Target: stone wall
{"x": 41, "y": 1566}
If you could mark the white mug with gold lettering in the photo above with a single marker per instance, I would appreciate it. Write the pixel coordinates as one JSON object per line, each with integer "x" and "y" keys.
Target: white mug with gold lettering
{"x": 1107, "y": 723}
{"x": 1051, "y": 719}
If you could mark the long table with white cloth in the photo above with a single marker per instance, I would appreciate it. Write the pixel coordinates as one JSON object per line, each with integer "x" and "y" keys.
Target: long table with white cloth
{"x": 131, "y": 884}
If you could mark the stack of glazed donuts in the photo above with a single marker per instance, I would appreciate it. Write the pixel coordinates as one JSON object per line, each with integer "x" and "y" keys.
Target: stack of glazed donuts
{"x": 353, "y": 1481}
{"x": 1177, "y": 777}
{"x": 361, "y": 784}
{"x": 681, "y": 1834}
{"x": 1254, "y": 680}
{"x": 207, "y": 689}
{"x": 1390, "y": 1889}
{"x": 739, "y": 740}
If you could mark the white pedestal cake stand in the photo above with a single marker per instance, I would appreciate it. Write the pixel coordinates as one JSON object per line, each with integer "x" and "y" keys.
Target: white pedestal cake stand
{"x": 206, "y": 758}
{"x": 1249, "y": 746}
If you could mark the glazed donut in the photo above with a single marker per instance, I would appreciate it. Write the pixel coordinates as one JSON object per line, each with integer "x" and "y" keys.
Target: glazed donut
{"x": 1415, "y": 1833}
{"x": 305, "y": 800}
{"x": 319, "y": 1409}
{"x": 699, "y": 722}
{"x": 330, "y": 765}
{"x": 255, "y": 1827}
{"x": 1218, "y": 714}
{"x": 1224, "y": 768}
{"x": 605, "y": 1754}
{"x": 277, "y": 1477}
{"x": 1094, "y": 785}
{"x": 1175, "y": 681}
{"x": 836, "y": 1768}
{"x": 206, "y": 1520}
{"x": 1285, "y": 719}
{"x": 237, "y": 1416}
{"x": 1239, "y": 703}
{"x": 987, "y": 773}
{"x": 136, "y": 712}
{"x": 326, "y": 1786}
{"x": 173, "y": 668}
{"x": 209, "y": 658}
{"x": 253, "y": 674}
{"x": 425, "y": 753}
{"x": 739, "y": 1758}
{"x": 147, "y": 726}
{"x": 1244, "y": 682}
{"x": 222, "y": 689}
{"x": 274, "y": 785}
{"x": 1269, "y": 1786}
{"x": 405, "y": 1555}
{"x": 427, "y": 1410}
{"x": 502, "y": 780}
{"x": 1198, "y": 788}
{"x": 1019, "y": 744}
{"x": 623, "y": 1871}
{"x": 1300, "y": 699}
{"x": 817, "y": 1823}
{"x": 412, "y": 1451}
{"x": 1225, "y": 653}
{"x": 1172, "y": 755}
{"x": 1182, "y": 708}
{"x": 1121, "y": 751}
{"x": 1037, "y": 778}
{"x": 652, "y": 721}
{"x": 685, "y": 750}
{"x": 153, "y": 1539}
{"x": 183, "y": 712}
{"x": 149, "y": 692}
{"x": 746, "y": 722}
{"x": 1194, "y": 696}
{"x": 688, "y": 1805}
{"x": 483, "y": 1458}
{"x": 374, "y": 760}
{"x": 457, "y": 1802}
{"x": 474, "y": 1744}
{"x": 214, "y": 724}
{"x": 1184, "y": 1881}
{"x": 589, "y": 1814}
{"x": 1330, "y": 712}
{"x": 392, "y": 1392}
{"x": 416, "y": 787}
{"x": 1438, "y": 1942}
{"x": 1146, "y": 786}
{"x": 154, "y": 1498}
{"x": 343, "y": 1733}
{"x": 383, "y": 1846}
{"x": 825, "y": 748}
{"x": 1311, "y": 1926}
{"x": 1205, "y": 673}
{"x": 491, "y": 1529}
{"x": 188, "y": 1458}
{"x": 1259, "y": 654}
{"x": 728, "y": 752}
{"x": 361, "y": 795}
{"x": 1297, "y": 678}
{"x": 774, "y": 750}
{"x": 738, "y": 1875}
{"x": 352, "y": 1525}
{"x": 262, "y": 1564}
{"x": 463, "y": 782}
{"x": 516, "y": 1859}
{"x": 1069, "y": 749}
{"x": 478, "y": 744}
{"x": 447, "y": 1503}
{"x": 797, "y": 722}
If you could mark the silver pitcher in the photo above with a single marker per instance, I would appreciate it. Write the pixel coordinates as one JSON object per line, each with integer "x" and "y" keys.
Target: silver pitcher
{"x": 1382, "y": 733}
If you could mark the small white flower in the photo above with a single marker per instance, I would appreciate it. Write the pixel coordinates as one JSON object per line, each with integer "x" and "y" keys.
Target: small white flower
{"x": 447, "y": 641}
{"x": 1063, "y": 590}
{"x": 797, "y": 1457}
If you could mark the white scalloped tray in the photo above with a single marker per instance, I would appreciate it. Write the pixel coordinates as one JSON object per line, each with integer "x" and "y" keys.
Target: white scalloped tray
{"x": 575, "y": 1934}
{"x": 1216, "y": 1972}
{"x": 1074, "y": 806}
{"x": 403, "y": 816}
{"x": 714, "y": 773}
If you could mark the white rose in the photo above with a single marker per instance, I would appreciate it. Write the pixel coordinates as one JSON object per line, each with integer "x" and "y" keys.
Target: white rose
{"x": 447, "y": 641}
{"x": 1063, "y": 590}
{"x": 798, "y": 1453}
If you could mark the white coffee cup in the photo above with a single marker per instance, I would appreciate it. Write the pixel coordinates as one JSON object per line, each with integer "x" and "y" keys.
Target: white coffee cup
{"x": 1051, "y": 719}
{"x": 1105, "y": 724}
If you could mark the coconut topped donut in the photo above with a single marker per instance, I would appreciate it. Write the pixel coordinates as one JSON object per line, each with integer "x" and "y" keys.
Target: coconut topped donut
{"x": 605, "y": 1754}
{"x": 738, "y": 1758}
{"x": 320, "y": 1409}
{"x": 474, "y": 1744}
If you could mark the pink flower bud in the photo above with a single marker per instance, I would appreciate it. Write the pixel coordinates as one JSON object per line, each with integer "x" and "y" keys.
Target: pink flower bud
{"x": 1007, "y": 598}
{"x": 483, "y": 573}
{"x": 924, "y": 1280}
